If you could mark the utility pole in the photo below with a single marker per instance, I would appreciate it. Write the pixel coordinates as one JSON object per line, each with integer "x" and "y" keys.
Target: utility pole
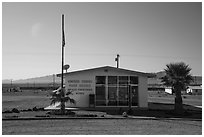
{"x": 117, "y": 60}
{"x": 11, "y": 83}
{"x": 53, "y": 81}
{"x": 62, "y": 89}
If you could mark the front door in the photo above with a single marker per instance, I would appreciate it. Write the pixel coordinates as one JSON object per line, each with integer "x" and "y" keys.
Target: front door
{"x": 134, "y": 90}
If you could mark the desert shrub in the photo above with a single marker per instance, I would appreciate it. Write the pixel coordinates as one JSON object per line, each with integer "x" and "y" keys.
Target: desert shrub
{"x": 42, "y": 116}
{"x": 15, "y": 110}
{"x": 35, "y": 109}
{"x": 124, "y": 114}
{"x": 29, "y": 109}
{"x": 7, "y": 111}
{"x": 41, "y": 109}
{"x": 58, "y": 112}
{"x": 87, "y": 115}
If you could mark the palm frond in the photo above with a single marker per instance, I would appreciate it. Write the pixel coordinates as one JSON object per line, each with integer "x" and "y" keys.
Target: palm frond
{"x": 68, "y": 99}
{"x": 177, "y": 74}
{"x": 55, "y": 100}
{"x": 57, "y": 97}
{"x": 69, "y": 93}
{"x": 72, "y": 101}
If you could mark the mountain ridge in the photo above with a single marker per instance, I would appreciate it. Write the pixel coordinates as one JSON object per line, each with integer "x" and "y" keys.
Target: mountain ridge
{"x": 54, "y": 78}
{"x": 41, "y": 79}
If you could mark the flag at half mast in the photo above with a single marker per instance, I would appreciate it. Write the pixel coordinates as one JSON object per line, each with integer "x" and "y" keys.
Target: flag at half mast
{"x": 63, "y": 37}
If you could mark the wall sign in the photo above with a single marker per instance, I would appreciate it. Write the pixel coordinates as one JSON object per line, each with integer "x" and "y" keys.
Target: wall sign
{"x": 80, "y": 85}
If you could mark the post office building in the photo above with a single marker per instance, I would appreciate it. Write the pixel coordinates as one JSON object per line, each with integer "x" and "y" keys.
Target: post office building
{"x": 107, "y": 87}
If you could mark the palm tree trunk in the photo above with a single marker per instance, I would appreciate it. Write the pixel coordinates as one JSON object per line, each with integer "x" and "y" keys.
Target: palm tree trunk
{"x": 62, "y": 107}
{"x": 178, "y": 106}
{"x": 62, "y": 102}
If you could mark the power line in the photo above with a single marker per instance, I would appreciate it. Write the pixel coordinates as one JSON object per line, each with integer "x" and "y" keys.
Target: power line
{"x": 107, "y": 54}
{"x": 134, "y": 55}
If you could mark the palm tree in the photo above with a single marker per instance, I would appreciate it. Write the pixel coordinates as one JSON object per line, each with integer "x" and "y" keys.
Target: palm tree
{"x": 57, "y": 97}
{"x": 178, "y": 77}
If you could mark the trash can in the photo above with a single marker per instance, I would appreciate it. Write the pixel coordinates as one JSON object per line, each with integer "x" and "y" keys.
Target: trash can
{"x": 91, "y": 100}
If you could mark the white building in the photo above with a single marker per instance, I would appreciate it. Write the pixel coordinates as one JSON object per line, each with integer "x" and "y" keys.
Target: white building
{"x": 194, "y": 90}
{"x": 168, "y": 90}
{"x": 107, "y": 87}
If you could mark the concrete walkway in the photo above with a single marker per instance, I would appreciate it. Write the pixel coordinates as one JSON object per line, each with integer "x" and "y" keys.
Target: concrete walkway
{"x": 105, "y": 117}
{"x": 198, "y": 106}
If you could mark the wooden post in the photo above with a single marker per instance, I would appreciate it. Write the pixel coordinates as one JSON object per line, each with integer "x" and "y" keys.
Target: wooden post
{"x": 117, "y": 60}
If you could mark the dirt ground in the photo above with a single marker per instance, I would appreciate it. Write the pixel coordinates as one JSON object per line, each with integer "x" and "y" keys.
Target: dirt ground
{"x": 101, "y": 127}
{"x": 36, "y": 98}
{"x": 25, "y": 100}
{"x": 29, "y": 99}
{"x": 159, "y": 103}
{"x": 162, "y": 97}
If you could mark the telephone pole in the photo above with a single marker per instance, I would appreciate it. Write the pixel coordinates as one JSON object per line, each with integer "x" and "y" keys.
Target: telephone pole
{"x": 53, "y": 81}
{"x": 11, "y": 83}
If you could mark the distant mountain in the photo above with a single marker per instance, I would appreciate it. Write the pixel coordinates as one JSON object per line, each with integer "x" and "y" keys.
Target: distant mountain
{"x": 43, "y": 79}
{"x": 49, "y": 79}
{"x": 197, "y": 80}
{"x": 157, "y": 79}
{"x": 160, "y": 74}
{"x": 6, "y": 81}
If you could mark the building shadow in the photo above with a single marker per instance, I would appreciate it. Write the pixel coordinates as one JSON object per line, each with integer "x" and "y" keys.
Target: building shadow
{"x": 159, "y": 110}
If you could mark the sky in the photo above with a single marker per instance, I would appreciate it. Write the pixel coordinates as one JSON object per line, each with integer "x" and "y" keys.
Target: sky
{"x": 147, "y": 36}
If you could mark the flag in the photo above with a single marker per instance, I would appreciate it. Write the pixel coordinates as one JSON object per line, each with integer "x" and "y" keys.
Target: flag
{"x": 63, "y": 36}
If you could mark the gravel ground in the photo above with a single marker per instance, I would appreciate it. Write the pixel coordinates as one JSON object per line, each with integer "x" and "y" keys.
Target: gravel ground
{"x": 101, "y": 127}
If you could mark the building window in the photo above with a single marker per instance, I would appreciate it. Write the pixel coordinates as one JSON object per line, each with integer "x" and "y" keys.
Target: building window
{"x": 100, "y": 103}
{"x": 123, "y": 96}
{"x": 100, "y": 96}
{"x": 100, "y": 93}
{"x": 112, "y": 96}
{"x": 112, "y": 80}
{"x": 100, "y": 79}
{"x": 114, "y": 90}
{"x": 100, "y": 90}
{"x": 134, "y": 95}
{"x": 123, "y": 80}
{"x": 133, "y": 80}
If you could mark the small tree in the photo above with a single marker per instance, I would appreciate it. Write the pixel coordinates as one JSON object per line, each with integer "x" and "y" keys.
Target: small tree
{"x": 57, "y": 97}
{"x": 178, "y": 77}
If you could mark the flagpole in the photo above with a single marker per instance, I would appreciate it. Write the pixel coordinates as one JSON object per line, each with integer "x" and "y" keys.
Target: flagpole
{"x": 62, "y": 89}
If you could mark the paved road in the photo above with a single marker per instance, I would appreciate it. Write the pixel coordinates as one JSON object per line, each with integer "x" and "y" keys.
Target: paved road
{"x": 101, "y": 127}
